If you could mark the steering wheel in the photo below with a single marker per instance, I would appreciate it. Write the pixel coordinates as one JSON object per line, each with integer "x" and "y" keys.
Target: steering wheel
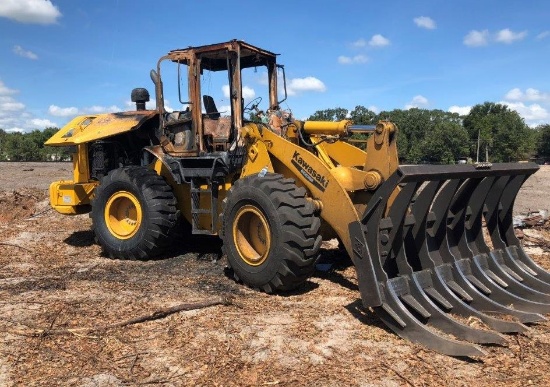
{"x": 252, "y": 105}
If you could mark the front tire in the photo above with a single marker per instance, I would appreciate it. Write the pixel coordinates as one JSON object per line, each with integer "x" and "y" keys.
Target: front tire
{"x": 133, "y": 213}
{"x": 270, "y": 233}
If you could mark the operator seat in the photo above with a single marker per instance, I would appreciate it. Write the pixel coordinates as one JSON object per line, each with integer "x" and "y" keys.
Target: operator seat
{"x": 216, "y": 129}
{"x": 210, "y": 107}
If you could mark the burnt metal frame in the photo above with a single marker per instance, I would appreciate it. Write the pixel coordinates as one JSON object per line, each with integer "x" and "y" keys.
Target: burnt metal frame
{"x": 232, "y": 56}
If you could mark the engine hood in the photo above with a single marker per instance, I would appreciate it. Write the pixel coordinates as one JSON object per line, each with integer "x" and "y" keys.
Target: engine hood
{"x": 88, "y": 128}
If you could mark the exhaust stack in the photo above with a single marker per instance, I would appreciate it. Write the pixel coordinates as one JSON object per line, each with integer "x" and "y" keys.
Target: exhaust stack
{"x": 140, "y": 96}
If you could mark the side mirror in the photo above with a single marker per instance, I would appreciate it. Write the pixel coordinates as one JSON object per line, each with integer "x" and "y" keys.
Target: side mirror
{"x": 284, "y": 83}
{"x": 154, "y": 77}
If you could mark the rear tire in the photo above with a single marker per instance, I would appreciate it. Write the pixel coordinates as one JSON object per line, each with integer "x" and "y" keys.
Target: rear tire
{"x": 270, "y": 233}
{"x": 133, "y": 213}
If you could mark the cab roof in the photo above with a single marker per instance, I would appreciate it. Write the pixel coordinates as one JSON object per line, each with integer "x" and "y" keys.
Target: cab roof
{"x": 214, "y": 56}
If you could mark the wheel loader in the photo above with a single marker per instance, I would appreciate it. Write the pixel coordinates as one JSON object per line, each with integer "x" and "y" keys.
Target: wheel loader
{"x": 273, "y": 187}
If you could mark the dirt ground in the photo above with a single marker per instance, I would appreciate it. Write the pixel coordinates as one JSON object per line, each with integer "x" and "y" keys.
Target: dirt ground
{"x": 54, "y": 278}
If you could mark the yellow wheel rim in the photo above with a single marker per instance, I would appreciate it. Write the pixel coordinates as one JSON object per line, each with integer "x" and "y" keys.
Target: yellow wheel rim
{"x": 123, "y": 215}
{"x": 252, "y": 235}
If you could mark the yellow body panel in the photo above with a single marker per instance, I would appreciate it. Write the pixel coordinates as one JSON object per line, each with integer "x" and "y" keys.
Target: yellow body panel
{"x": 343, "y": 153}
{"x": 337, "y": 208}
{"x": 84, "y": 129}
{"x": 257, "y": 159}
{"x": 81, "y": 170}
{"x": 70, "y": 198}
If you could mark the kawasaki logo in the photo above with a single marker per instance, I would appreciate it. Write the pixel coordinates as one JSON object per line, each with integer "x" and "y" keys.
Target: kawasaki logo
{"x": 314, "y": 177}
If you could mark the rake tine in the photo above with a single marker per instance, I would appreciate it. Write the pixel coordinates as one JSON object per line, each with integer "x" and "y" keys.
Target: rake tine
{"x": 455, "y": 276}
{"x": 389, "y": 308}
{"x": 420, "y": 241}
{"x": 519, "y": 255}
{"x": 447, "y": 281}
{"x": 481, "y": 276}
{"x": 423, "y": 288}
{"x": 398, "y": 318}
{"x": 393, "y": 297}
{"x": 517, "y": 296}
{"x": 490, "y": 262}
{"x": 421, "y": 293}
{"x": 507, "y": 261}
{"x": 520, "y": 272}
{"x": 511, "y": 244}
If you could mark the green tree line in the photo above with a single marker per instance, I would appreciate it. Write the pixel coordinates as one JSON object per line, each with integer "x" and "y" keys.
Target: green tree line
{"x": 434, "y": 136}
{"x": 30, "y": 146}
{"x": 431, "y": 136}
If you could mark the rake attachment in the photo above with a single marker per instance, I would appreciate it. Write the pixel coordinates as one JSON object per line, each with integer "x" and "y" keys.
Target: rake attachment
{"x": 422, "y": 260}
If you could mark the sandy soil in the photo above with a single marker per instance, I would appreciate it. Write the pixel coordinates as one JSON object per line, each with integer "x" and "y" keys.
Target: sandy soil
{"x": 54, "y": 278}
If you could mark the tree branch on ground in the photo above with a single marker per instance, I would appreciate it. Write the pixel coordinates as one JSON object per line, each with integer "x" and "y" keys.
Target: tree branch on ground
{"x": 161, "y": 313}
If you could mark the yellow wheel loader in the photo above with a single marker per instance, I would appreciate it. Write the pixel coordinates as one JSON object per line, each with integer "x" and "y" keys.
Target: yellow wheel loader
{"x": 273, "y": 188}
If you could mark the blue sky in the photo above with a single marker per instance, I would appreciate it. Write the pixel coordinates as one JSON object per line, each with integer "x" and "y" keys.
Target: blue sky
{"x": 60, "y": 58}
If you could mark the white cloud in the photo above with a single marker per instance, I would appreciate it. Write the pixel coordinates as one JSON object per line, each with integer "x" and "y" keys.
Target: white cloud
{"x": 167, "y": 106}
{"x": 530, "y": 94}
{"x": 62, "y": 112}
{"x": 8, "y": 125}
{"x": 425, "y": 22}
{"x": 379, "y": 41}
{"x": 15, "y": 130}
{"x": 225, "y": 91}
{"x": 376, "y": 40}
{"x": 149, "y": 105}
{"x": 507, "y": 36}
{"x": 536, "y": 95}
{"x": 345, "y": 59}
{"x": 95, "y": 109}
{"x": 359, "y": 43}
{"x": 533, "y": 114}
{"x": 18, "y": 50}
{"x": 225, "y": 109}
{"x": 42, "y": 123}
{"x": 543, "y": 35}
{"x": 532, "y": 104}
{"x": 101, "y": 109}
{"x": 418, "y": 101}
{"x": 15, "y": 116}
{"x": 297, "y": 85}
{"x": 30, "y": 11}
{"x": 374, "y": 108}
{"x": 67, "y": 112}
{"x": 8, "y": 104}
{"x": 514, "y": 94}
{"x": 352, "y": 60}
{"x": 461, "y": 110}
{"x": 248, "y": 92}
{"x": 476, "y": 38}
{"x": 4, "y": 90}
